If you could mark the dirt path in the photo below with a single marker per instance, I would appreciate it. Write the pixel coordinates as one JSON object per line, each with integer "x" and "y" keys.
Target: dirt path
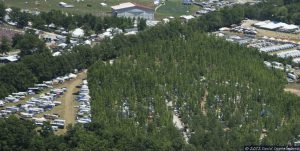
{"x": 203, "y": 103}
{"x": 294, "y": 91}
{"x": 68, "y": 102}
{"x": 178, "y": 123}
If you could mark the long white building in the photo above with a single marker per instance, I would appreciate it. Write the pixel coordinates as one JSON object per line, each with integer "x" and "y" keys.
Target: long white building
{"x": 131, "y": 10}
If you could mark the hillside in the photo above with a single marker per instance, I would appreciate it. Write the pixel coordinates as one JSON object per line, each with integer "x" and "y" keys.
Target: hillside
{"x": 244, "y": 99}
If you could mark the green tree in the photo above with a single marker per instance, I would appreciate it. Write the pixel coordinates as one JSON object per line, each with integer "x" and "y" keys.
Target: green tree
{"x": 30, "y": 44}
{"x": 5, "y": 45}
{"x": 142, "y": 24}
{"x": 68, "y": 38}
{"x": 2, "y": 10}
{"x": 296, "y": 18}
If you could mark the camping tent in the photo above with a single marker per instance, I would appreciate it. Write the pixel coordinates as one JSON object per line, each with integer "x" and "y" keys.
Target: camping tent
{"x": 78, "y": 33}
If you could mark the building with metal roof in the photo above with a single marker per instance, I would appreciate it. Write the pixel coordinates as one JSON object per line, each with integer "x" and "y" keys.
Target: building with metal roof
{"x": 131, "y": 10}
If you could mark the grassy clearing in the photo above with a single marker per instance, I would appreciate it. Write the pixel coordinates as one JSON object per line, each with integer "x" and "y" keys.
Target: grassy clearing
{"x": 175, "y": 8}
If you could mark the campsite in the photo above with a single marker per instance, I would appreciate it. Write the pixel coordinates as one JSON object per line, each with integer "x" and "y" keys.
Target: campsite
{"x": 64, "y": 110}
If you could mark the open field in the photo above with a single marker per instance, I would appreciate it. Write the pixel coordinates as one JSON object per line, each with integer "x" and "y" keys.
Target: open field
{"x": 79, "y": 7}
{"x": 175, "y": 8}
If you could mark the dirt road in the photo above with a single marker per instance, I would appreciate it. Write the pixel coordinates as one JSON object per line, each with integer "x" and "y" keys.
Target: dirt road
{"x": 68, "y": 102}
{"x": 294, "y": 91}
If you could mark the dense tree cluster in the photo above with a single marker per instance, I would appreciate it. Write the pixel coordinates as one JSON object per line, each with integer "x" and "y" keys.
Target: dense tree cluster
{"x": 5, "y": 45}
{"x": 244, "y": 97}
{"x": 60, "y": 19}
{"x": 172, "y": 62}
{"x": 88, "y": 21}
{"x": 2, "y": 10}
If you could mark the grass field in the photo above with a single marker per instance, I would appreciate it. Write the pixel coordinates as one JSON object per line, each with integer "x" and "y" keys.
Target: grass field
{"x": 175, "y": 8}
{"x": 171, "y": 7}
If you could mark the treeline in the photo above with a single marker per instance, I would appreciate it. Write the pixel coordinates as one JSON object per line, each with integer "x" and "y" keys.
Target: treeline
{"x": 67, "y": 21}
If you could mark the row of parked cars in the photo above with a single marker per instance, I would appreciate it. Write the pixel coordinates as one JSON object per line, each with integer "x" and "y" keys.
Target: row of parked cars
{"x": 37, "y": 105}
{"x": 83, "y": 98}
{"x": 16, "y": 97}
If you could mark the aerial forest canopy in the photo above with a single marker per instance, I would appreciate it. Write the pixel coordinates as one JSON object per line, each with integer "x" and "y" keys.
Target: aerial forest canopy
{"x": 224, "y": 93}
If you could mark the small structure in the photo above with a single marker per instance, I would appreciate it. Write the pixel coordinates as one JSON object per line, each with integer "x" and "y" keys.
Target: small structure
{"x": 65, "y": 5}
{"x": 8, "y": 59}
{"x": 55, "y": 54}
{"x": 130, "y": 10}
{"x": 156, "y": 2}
{"x": 103, "y": 4}
{"x": 78, "y": 33}
{"x": 186, "y": 18}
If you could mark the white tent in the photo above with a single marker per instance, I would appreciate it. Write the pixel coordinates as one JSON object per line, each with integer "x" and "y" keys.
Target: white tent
{"x": 63, "y": 45}
{"x": 55, "y": 54}
{"x": 187, "y": 17}
{"x": 78, "y": 33}
{"x": 8, "y": 10}
{"x": 103, "y": 4}
{"x": 87, "y": 42}
{"x": 71, "y": 75}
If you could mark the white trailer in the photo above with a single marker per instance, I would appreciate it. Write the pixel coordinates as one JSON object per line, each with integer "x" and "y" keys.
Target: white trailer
{"x": 292, "y": 76}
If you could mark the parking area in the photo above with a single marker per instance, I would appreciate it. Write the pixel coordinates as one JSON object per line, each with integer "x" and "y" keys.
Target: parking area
{"x": 54, "y": 103}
